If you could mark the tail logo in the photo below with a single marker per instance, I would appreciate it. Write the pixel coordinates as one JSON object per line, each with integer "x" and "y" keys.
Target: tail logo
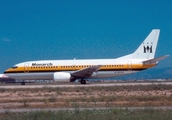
{"x": 147, "y": 49}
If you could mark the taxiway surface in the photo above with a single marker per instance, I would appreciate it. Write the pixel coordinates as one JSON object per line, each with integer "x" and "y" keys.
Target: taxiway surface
{"x": 16, "y": 86}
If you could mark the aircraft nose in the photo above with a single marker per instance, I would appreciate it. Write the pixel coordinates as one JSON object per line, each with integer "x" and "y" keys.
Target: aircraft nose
{"x": 6, "y": 71}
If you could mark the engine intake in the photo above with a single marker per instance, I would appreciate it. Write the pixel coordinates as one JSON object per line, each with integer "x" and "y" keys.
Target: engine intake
{"x": 61, "y": 76}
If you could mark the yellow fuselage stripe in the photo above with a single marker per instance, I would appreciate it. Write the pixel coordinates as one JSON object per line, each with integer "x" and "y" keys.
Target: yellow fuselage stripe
{"x": 78, "y": 67}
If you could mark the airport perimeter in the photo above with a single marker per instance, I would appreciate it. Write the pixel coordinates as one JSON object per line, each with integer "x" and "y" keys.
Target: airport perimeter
{"x": 92, "y": 95}
{"x": 122, "y": 100}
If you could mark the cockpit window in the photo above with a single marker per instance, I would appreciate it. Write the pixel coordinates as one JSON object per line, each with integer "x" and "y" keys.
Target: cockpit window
{"x": 14, "y": 67}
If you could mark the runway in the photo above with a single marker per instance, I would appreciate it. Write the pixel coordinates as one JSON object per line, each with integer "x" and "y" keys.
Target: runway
{"x": 20, "y": 110}
{"x": 58, "y": 85}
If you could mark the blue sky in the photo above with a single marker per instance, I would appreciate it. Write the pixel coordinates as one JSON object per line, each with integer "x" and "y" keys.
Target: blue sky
{"x": 43, "y": 29}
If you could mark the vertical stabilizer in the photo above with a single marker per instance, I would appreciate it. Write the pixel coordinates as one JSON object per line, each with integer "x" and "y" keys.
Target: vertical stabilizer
{"x": 148, "y": 47}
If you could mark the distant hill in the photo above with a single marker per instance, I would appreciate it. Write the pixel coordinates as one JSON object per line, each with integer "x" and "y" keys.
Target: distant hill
{"x": 153, "y": 73}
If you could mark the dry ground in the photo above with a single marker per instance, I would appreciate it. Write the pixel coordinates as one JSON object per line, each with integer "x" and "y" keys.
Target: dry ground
{"x": 46, "y": 97}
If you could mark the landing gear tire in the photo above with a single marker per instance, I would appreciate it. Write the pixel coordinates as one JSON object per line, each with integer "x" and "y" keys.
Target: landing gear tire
{"x": 22, "y": 83}
{"x": 83, "y": 81}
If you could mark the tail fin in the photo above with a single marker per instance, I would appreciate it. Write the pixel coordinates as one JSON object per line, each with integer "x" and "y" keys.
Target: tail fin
{"x": 147, "y": 49}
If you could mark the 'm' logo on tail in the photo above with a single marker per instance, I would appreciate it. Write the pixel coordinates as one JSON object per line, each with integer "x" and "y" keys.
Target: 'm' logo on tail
{"x": 147, "y": 49}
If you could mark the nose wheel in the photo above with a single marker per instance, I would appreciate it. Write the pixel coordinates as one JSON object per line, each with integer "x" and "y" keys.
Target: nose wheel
{"x": 83, "y": 81}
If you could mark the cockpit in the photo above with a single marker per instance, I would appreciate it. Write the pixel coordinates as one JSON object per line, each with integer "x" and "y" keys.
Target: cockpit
{"x": 14, "y": 67}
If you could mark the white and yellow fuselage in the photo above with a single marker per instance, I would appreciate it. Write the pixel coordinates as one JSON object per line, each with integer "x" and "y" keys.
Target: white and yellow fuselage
{"x": 44, "y": 70}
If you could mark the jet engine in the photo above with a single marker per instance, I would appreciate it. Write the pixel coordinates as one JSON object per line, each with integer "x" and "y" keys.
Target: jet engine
{"x": 61, "y": 76}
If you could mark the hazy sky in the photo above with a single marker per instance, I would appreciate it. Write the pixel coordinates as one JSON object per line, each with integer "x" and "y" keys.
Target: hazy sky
{"x": 67, "y": 29}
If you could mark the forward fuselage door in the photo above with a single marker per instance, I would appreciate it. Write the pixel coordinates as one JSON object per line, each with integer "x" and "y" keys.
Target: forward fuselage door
{"x": 26, "y": 67}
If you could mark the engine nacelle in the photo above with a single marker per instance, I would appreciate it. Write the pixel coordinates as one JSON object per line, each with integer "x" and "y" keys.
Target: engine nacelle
{"x": 61, "y": 76}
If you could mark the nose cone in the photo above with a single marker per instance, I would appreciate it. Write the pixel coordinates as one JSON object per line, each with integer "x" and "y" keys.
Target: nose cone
{"x": 7, "y": 71}
{"x": 11, "y": 70}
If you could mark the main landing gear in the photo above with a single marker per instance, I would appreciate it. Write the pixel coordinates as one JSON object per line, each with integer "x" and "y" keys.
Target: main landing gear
{"x": 23, "y": 83}
{"x": 83, "y": 81}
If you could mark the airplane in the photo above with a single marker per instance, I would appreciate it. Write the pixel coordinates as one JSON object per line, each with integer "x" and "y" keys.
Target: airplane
{"x": 6, "y": 79}
{"x": 84, "y": 69}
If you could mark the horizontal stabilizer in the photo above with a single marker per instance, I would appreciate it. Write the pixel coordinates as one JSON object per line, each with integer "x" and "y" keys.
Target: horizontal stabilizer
{"x": 151, "y": 61}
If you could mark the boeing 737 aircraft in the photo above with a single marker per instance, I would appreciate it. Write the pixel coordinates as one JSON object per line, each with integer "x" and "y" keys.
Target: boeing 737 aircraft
{"x": 82, "y": 70}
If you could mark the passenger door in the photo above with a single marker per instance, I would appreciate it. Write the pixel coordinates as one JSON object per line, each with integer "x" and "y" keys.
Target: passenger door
{"x": 26, "y": 67}
{"x": 129, "y": 65}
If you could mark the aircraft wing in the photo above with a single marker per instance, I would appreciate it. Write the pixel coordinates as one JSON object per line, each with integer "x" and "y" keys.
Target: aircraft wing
{"x": 155, "y": 60}
{"x": 86, "y": 72}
